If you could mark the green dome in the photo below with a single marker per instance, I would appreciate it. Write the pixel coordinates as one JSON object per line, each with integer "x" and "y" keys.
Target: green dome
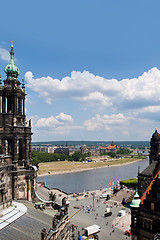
{"x": 11, "y": 69}
{"x": 136, "y": 201}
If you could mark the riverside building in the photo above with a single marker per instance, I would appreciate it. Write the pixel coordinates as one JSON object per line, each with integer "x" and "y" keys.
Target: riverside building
{"x": 17, "y": 175}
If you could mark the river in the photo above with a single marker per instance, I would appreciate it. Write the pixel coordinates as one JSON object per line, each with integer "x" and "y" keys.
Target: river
{"x": 93, "y": 179}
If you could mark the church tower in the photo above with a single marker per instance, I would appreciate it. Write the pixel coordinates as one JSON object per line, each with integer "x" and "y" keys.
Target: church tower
{"x": 15, "y": 134}
{"x": 155, "y": 147}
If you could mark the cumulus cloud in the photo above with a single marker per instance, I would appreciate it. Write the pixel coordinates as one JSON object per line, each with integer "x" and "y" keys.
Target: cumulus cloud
{"x": 125, "y": 132}
{"x": 64, "y": 117}
{"x": 89, "y": 89}
{"x": 65, "y": 130}
{"x": 104, "y": 122}
{"x": 58, "y": 124}
{"x": 4, "y": 54}
{"x": 48, "y": 122}
{"x": 96, "y": 98}
{"x": 151, "y": 109}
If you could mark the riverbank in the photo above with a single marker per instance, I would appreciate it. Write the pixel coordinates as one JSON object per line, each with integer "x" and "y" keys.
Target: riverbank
{"x": 52, "y": 168}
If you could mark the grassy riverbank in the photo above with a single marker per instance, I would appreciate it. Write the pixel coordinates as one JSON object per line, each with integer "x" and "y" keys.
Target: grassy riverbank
{"x": 65, "y": 166}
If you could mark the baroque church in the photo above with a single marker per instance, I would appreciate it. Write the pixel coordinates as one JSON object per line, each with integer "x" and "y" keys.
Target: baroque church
{"x": 145, "y": 207}
{"x": 17, "y": 175}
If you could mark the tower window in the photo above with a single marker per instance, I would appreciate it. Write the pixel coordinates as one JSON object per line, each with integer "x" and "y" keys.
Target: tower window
{"x": 158, "y": 195}
{"x": 152, "y": 206}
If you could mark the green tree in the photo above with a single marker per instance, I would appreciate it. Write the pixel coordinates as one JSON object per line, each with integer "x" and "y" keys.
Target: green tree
{"x": 124, "y": 151}
{"x": 112, "y": 154}
{"x": 77, "y": 156}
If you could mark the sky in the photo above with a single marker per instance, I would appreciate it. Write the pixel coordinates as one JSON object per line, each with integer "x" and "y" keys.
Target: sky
{"x": 91, "y": 67}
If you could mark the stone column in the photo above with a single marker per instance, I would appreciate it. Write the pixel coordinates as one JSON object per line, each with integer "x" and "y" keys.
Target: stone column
{"x": 9, "y": 147}
{"x": 27, "y": 190}
{"x": 20, "y": 106}
{"x": 3, "y": 104}
{"x": 26, "y": 156}
{"x": 30, "y": 150}
{"x": 3, "y": 146}
{"x": 15, "y": 105}
{"x": 21, "y": 152}
{"x": 0, "y": 104}
{"x": 23, "y": 106}
{"x": 14, "y": 149}
{"x": 14, "y": 187}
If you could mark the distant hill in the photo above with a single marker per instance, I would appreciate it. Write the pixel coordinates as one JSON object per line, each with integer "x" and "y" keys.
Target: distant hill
{"x": 132, "y": 144}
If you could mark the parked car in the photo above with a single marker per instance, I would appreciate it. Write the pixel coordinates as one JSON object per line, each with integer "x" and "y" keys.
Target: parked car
{"x": 108, "y": 212}
{"x": 128, "y": 233}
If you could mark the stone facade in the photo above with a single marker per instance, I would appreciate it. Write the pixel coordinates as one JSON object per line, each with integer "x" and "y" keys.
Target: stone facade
{"x": 145, "y": 219}
{"x": 18, "y": 177}
{"x": 61, "y": 227}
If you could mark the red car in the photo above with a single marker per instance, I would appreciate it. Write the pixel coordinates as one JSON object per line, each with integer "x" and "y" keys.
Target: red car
{"x": 128, "y": 233}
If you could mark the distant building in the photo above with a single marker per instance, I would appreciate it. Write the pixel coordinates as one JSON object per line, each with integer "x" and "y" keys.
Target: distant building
{"x": 40, "y": 148}
{"x": 111, "y": 148}
{"x": 72, "y": 150}
{"x": 84, "y": 149}
{"x": 62, "y": 150}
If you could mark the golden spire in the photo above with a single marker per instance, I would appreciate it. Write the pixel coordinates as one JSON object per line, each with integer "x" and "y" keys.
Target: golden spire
{"x": 155, "y": 129}
{"x": 12, "y": 45}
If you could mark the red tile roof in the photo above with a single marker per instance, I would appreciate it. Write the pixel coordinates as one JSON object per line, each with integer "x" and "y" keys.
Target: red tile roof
{"x": 150, "y": 186}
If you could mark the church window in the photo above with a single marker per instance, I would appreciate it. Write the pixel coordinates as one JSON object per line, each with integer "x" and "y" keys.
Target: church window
{"x": 135, "y": 221}
{"x": 152, "y": 206}
{"x": 158, "y": 195}
{"x": 147, "y": 225}
{"x": 151, "y": 226}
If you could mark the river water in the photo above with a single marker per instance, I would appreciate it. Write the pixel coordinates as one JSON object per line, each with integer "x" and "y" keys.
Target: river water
{"x": 93, "y": 179}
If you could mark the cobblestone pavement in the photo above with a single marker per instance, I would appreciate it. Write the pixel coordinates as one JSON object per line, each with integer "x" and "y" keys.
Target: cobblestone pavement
{"x": 29, "y": 226}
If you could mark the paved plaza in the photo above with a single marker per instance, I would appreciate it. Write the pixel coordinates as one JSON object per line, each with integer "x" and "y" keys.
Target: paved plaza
{"x": 115, "y": 227}
{"x": 29, "y": 224}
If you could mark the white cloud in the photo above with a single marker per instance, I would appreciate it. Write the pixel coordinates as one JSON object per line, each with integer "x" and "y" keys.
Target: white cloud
{"x": 64, "y": 117}
{"x": 125, "y": 132}
{"x": 96, "y": 98}
{"x": 47, "y": 122}
{"x": 65, "y": 130}
{"x": 103, "y": 122}
{"x": 134, "y": 102}
{"x": 151, "y": 109}
{"x": 4, "y": 54}
{"x": 87, "y": 88}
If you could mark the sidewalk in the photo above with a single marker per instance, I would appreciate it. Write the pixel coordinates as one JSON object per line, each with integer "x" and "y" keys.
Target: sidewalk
{"x": 9, "y": 215}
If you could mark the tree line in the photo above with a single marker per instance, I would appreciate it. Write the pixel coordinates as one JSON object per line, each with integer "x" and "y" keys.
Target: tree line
{"x": 39, "y": 157}
{"x": 121, "y": 151}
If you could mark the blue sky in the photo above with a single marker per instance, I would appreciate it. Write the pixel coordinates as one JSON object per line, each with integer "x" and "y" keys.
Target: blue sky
{"x": 91, "y": 67}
